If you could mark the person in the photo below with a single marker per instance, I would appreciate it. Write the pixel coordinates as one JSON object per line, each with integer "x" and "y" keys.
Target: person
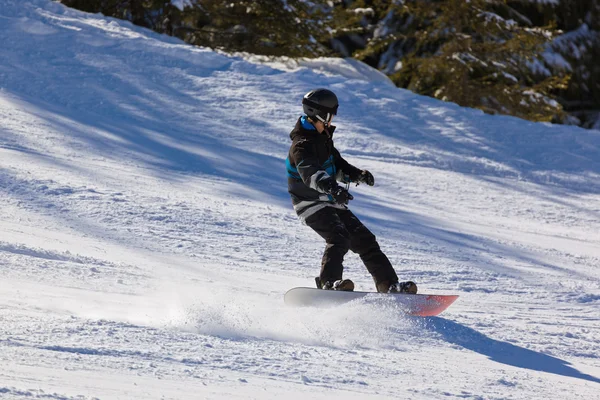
{"x": 314, "y": 167}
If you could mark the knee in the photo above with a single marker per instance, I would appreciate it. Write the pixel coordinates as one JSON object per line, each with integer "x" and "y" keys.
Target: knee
{"x": 340, "y": 237}
{"x": 365, "y": 243}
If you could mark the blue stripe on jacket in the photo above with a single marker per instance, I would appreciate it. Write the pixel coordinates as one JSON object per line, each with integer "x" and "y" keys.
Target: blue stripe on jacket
{"x": 328, "y": 166}
{"x": 292, "y": 172}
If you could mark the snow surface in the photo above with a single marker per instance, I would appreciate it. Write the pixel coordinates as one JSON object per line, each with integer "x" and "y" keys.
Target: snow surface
{"x": 146, "y": 236}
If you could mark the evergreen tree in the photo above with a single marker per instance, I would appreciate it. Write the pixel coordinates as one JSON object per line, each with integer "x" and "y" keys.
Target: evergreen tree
{"x": 148, "y": 13}
{"x": 269, "y": 27}
{"x": 460, "y": 51}
{"x": 580, "y": 47}
{"x": 575, "y": 51}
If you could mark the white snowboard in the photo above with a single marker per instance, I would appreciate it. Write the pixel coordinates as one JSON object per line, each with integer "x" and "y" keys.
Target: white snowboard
{"x": 424, "y": 305}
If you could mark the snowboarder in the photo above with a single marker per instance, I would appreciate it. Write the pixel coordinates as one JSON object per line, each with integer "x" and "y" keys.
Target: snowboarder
{"x": 314, "y": 167}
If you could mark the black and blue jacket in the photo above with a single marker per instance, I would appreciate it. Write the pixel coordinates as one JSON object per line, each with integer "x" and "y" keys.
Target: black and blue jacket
{"x": 312, "y": 159}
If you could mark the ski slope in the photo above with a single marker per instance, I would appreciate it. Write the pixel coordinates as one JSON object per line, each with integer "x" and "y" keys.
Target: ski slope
{"x": 147, "y": 237}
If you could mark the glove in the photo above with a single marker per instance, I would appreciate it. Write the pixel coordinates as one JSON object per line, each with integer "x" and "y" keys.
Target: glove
{"x": 327, "y": 185}
{"x": 366, "y": 177}
{"x": 341, "y": 195}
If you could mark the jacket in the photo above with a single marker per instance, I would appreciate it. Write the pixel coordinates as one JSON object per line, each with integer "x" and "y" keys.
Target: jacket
{"x": 311, "y": 160}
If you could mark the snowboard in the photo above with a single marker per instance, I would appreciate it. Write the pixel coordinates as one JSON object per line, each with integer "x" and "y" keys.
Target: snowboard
{"x": 423, "y": 305}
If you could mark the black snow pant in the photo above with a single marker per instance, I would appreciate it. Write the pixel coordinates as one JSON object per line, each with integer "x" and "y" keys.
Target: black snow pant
{"x": 343, "y": 231}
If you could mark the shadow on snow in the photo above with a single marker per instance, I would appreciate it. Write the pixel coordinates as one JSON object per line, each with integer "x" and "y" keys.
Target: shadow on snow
{"x": 502, "y": 352}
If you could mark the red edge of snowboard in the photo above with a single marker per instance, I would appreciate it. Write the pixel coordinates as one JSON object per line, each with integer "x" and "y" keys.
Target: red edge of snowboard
{"x": 434, "y": 304}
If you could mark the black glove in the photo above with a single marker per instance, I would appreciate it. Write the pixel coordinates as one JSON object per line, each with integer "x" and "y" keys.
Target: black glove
{"x": 366, "y": 177}
{"x": 341, "y": 195}
{"x": 327, "y": 185}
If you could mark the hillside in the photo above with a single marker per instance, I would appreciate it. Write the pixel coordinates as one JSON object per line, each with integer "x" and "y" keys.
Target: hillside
{"x": 147, "y": 237}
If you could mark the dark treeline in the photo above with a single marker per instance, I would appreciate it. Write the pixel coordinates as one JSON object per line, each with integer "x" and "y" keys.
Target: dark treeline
{"x": 535, "y": 59}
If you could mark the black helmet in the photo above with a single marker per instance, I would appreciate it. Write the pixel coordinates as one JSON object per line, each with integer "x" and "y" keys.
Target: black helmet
{"x": 321, "y": 104}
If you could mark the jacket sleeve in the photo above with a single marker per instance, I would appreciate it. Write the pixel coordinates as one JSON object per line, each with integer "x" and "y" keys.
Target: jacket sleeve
{"x": 307, "y": 164}
{"x": 345, "y": 168}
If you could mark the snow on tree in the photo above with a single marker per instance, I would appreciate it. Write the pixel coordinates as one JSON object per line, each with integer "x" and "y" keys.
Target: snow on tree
{"x": 181, "y": 4}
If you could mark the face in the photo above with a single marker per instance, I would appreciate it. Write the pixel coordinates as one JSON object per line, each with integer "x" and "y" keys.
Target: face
{"x": 321, "y": 126}
{"x": 330, "y": 120}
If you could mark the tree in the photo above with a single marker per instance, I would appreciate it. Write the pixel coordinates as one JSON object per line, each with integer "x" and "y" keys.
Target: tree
{"x": 468, "y": 52}
{"x": 269, "y": 27}
{"x": 148, "y": 13}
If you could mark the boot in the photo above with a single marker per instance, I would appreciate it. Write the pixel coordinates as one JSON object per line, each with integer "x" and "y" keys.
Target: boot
{"x": 397, "y": 287}
{"x": 343, "y": 284}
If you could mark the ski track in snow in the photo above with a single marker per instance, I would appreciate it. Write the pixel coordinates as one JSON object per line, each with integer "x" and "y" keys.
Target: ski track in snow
{"x": 147, "y": 238}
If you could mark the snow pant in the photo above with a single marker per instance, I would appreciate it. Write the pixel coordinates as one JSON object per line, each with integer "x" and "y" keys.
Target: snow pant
{"x": 343, "y": 231}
